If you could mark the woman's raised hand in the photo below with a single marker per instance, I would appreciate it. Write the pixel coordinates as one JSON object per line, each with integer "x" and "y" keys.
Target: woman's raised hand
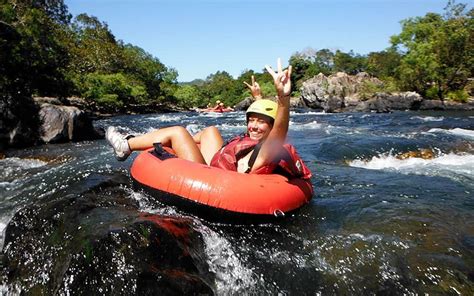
{"x": 254, "y": 88}
{"x": 281, "y": 79}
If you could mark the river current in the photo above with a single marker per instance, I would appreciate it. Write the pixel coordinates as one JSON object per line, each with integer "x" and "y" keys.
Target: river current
{"x": 381, "y": 220}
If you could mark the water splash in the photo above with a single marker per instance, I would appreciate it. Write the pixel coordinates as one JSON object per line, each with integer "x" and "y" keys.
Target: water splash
{"x": 455, "y": 131}
{"x": 451, "y": 165}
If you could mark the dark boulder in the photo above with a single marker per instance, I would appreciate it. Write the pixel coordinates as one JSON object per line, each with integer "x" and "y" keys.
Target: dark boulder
{"x": 66, "y": 123}
{"x": 385, "y": 102}
{"x": 244, "y": 104}
{"x": 97, "y": 242}
{"x": 447, "y": 105}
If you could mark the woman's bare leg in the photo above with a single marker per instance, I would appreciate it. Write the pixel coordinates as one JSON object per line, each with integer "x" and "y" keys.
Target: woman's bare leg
{"x": 210, "y": 141}
{"x": 176, "y": 137}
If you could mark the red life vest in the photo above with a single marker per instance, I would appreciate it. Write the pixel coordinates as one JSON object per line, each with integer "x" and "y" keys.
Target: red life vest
{"x": 287, "y": 163}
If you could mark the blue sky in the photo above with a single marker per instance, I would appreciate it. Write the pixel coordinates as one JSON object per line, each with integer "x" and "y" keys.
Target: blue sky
{"x": 200, "y": 37}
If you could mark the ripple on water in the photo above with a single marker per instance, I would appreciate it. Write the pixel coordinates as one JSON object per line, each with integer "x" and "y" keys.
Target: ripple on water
{"x": 428, "y": 118}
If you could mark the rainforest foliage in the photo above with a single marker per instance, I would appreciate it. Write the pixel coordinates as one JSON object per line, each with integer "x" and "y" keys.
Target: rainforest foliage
{"x": 44, "y": 51}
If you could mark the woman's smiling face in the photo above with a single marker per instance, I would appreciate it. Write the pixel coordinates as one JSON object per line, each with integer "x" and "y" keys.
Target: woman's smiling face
{"x": 258, "y": 127}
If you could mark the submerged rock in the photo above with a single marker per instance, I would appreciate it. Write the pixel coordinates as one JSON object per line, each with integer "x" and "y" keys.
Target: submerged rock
{"x": 421, "y": 153}
{"x": 97, "y": 242}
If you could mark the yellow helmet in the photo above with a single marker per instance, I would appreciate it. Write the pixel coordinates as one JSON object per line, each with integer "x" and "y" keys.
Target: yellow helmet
{"x": 263, "y": 107}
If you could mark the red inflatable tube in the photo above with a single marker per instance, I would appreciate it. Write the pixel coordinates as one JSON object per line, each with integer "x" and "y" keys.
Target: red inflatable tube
{"x": 215, "y": 192}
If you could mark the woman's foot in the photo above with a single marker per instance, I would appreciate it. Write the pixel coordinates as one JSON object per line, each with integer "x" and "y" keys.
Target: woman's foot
{"x": 118, "y": 142}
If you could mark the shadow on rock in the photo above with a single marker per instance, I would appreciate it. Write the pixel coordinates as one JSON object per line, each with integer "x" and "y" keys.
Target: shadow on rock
{"x": 97, "y": 242}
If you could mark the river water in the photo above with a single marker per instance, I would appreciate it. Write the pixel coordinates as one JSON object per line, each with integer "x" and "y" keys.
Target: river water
{"x": 377, "y": 223}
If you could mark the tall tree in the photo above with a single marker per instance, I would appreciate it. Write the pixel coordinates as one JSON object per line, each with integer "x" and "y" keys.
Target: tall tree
{"x": 220, "y": 86}
{"x": 324, "y": 61}
{"x": 384, "y": 63}
{"x": 94, "y": 47}
{"x": 438, "y": 51}
{"x": 160, "y": 81}
{"x": 350, "y": 62}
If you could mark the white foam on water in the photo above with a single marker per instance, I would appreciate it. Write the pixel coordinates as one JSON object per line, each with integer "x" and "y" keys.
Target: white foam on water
{"x": 168, "y": 117}
{"x": 22, "y": 163}
{"x": 455, "y": 131}
{"x": 194, "y": 128}
{"x": 14, "y": 167}
{"x": 443, "y": 165}
{"x": 305, "y": 126}
{"x": 428, "y": 118}
{"x": 210, "y": 114}
{"x": 293, "y": 113}
{"x": 3, "y": 225}
{"x": 125, "y": 130}
{"x": 232, "y": 127}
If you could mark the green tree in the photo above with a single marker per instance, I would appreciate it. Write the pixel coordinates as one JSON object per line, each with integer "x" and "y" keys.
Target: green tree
{"x": 220, "y": 86}
{"x": 94, "y": 47}
{"x": 300, "y": 65}
{"x": 383, "y": 64}
{"x": 350, "y": 63}
{"x": 39, "y": 25}
{"x": 160, "y": 81}
{"x": 438, "y": 51}
{"x": 113, "y": 91}
{"x": 188, "y": 96}
{"x": 324, "y": 61}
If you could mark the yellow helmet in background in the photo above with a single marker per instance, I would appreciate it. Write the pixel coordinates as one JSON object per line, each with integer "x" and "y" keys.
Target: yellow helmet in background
{"x": 263, "y": 107}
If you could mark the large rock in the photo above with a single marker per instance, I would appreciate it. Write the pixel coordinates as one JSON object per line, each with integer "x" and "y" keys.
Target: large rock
{"x": 296, "y": 102}
{"x": 384, "y": 102}
{"x": 330, "y": 93}
{"x": 447, "y": 105}
{"x": 97, "y": 243}
{"x": 66, "y": 123}
{"x": 244, "y": 104}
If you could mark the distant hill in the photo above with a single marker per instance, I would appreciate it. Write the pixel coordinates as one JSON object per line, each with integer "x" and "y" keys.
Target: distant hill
{"x": 198, "y": 82}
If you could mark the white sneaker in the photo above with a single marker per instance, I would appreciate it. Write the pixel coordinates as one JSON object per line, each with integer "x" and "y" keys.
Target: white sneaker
{"x": 118, "y": 142}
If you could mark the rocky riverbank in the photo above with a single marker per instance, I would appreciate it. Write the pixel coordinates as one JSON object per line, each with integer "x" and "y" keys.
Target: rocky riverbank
{"x": 345, "y": 93}
{"x": 63, "y": 120}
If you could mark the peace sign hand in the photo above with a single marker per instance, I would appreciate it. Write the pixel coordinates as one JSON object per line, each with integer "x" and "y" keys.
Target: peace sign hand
{"x": 254, "y": 88}
{"x": 281, "y": 79}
